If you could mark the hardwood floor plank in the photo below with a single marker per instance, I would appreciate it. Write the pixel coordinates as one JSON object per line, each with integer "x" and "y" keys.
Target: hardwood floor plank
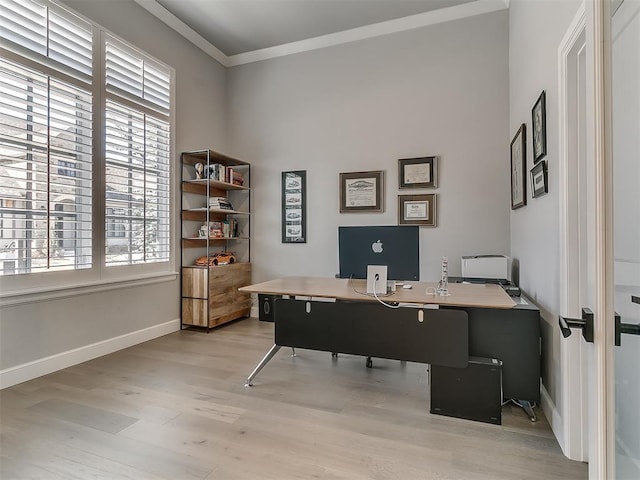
{"x": 82, "y": 415}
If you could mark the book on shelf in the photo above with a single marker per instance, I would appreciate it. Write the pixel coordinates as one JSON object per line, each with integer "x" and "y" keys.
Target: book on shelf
{"x": 216, "y": 172}
{"x": 230, "y": 228}
{"x": 236, "y": 178}
{"x": 220, "y": 202}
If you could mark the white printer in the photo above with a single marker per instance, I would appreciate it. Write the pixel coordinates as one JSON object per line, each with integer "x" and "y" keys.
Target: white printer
{"x": 490, "y": 267}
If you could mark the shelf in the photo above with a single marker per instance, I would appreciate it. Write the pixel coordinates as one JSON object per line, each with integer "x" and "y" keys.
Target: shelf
{"x": 193, "y": 242}
{"x": 204, "y": 267}
{"x": 201, "y": 156}
{"x": 216, "y": 210}
{"x": 202, "y": 183}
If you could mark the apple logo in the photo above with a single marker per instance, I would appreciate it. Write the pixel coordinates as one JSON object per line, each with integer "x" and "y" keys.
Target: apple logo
{"x": 377, "y": 247}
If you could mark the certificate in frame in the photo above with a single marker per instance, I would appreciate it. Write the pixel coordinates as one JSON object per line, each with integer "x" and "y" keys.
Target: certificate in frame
{"x": 418, "y": 210}
{"x": 362, "y": 192}
{"x": 418, "y": 172}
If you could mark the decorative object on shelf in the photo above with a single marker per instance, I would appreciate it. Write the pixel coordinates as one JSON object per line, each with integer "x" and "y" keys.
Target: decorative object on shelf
{"x": 518, "y": 168}
{"x": 199, "y": 167}
{"x": 539, "y": 125}
{"x": 362, "y": 192}
{"x": 294, "y": 210}
{"x": 539, "y": 179}
{"x": 218, "y": 258}
{"x": 418, "y": 172}
{"x": 417, "y": 209}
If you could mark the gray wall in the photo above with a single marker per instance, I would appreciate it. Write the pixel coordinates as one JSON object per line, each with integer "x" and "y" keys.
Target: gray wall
{"x": 440, "y": 90}
{"x": 536, "y": 29}
{"x": 34, "y": 331}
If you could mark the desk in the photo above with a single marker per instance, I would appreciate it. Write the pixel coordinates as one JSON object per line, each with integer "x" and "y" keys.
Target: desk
{"x": 493, "y": 325}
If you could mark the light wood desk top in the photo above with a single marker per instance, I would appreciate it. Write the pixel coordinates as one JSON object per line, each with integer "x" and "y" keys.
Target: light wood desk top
{"x": 461, "y": 295}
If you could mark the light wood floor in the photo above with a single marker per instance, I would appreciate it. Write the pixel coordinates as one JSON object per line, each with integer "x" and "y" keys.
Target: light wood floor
{"x": 176, "y": 408}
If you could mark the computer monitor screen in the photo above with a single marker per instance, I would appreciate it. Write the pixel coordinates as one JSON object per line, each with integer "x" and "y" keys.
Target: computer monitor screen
{"x": 397, "y": 247}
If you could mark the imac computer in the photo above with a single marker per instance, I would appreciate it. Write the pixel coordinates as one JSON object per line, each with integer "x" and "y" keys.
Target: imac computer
{"x": 396, "y": 247}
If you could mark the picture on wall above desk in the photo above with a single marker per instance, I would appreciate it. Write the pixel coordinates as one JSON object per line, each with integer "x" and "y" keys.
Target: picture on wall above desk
{"x": 362, "y": 192}
{"x": 294, "y": 211}
{"x": 539, "y": 123}
{"x": 539, "y": 179}
{"x": 417, "y": 210}
{"x": 518, "y": 168}
{"x": 418, "y": 172}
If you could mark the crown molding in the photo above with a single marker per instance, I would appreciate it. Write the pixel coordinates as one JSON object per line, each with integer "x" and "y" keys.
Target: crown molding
{"x": 157, "y": 10}
{"x": 471, "y": 9}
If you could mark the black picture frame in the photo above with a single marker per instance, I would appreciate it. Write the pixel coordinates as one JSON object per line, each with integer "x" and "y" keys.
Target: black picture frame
{"x": 418, "y": 172}
{"x": 539, "y": 127}
{"x": 539, "y": 185}
{"x": 294, "y": 206}
{"x": 418, "y": 210}
{"x": 362, "y": 192}
{"x": 518, "y": 168}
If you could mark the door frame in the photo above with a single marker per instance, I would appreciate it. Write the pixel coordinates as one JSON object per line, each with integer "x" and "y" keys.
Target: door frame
{"x": 571, "y": 423}
{"x": 602, "y": 390}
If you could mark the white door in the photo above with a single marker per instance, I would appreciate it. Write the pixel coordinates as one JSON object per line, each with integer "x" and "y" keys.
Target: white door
{"x": 600, "y": 236}
{"x": 625, "y": 153}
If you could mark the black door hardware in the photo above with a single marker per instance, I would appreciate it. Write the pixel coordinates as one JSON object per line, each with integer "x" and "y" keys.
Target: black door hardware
{"x": 585, "y": 323}
{"x": 635, "y": 299}
{"x": 631, "y": 328}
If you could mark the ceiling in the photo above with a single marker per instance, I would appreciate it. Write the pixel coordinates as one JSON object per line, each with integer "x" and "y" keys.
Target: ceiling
{"x": 240, "y": 31}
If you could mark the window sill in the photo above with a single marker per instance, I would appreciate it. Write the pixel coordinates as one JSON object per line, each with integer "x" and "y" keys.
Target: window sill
{"x": 20, "y": 297}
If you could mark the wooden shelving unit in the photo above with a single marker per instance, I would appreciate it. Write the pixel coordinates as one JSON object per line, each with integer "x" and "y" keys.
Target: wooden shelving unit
{"x": 210, "y": 295}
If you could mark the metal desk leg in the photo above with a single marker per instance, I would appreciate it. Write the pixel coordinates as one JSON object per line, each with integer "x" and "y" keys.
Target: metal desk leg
{"x": 272, "y": 351}
{"x": 526, "y": 406}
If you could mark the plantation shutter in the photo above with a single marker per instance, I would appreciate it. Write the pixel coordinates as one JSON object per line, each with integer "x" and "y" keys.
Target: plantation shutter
{"x": 45, "y": 140}
{"x": 137, "y": 149}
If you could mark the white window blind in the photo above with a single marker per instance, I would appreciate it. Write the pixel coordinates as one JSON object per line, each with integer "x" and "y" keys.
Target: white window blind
{"x": 57, "y": 34}
{"x": 137, "y": 150}
{"x": 45, "y": 140}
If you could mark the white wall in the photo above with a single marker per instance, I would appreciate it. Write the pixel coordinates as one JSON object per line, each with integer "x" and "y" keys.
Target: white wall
{"x": 535, "y": 32}
{"x": 439, "y": 90}
{"x": 32, "y": 332}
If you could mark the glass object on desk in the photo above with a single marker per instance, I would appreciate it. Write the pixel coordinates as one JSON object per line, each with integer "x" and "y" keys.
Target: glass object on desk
{"x": 443, "y": 284}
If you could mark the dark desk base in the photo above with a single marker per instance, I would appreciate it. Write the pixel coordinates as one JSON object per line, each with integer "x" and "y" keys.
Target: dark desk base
{"x": 369, "y": 329}
{"x": 433, "y": 336}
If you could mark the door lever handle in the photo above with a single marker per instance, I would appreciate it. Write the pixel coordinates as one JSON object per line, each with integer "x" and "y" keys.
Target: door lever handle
{"x": 630, "y": 328}
{"x": 585, "y": 324}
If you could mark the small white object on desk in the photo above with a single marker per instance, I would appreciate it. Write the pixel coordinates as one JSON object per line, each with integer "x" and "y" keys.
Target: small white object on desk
{"x": 407, "y": 286}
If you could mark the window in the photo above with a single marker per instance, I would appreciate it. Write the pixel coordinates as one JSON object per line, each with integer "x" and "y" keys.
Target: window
{"x": 45, "y": 124}
{"x": 137, "y": 156}
{"x": 51, "y": 102}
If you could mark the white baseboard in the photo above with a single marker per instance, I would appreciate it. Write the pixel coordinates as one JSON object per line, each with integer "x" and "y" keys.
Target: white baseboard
{"x": 553, "y": 417}
{"x": 44, "y": 366}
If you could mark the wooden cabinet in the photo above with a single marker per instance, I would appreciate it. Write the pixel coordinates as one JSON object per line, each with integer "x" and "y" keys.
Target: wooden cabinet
{"x": 215, "y": 217}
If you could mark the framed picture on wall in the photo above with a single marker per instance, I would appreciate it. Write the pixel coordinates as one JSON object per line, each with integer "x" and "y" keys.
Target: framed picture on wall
{"x": 362, "y": 192}
{"x": 417, "y": 210}
{"x": 518, "y": 168}
{"x": 418, "y": 172}
{"x": 539, "y": 179}
{"x": 539, "y": 125}
{"x": 294, "y": 207}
